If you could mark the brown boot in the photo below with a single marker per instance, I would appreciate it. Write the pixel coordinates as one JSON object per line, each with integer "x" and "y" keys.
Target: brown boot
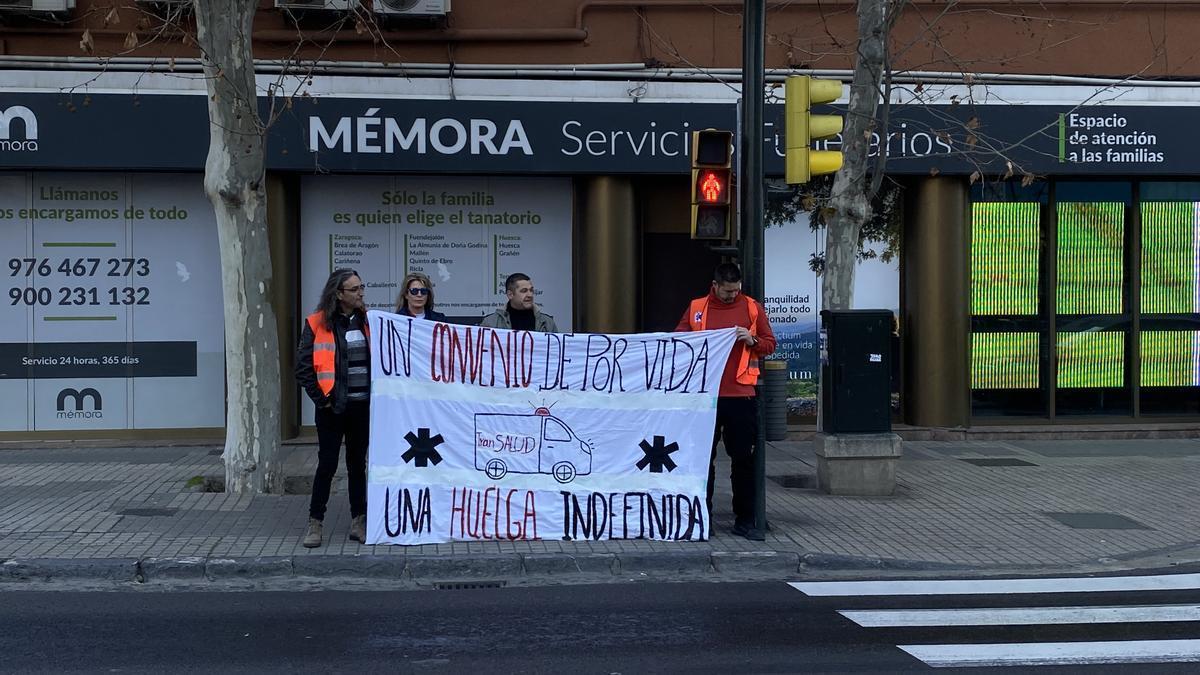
{"x": 312, "y": 536}
{"x": 358, "y": 529}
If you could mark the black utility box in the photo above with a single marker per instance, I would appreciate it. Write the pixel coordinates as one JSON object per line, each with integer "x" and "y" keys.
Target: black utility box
{"x": 856, "y": 371}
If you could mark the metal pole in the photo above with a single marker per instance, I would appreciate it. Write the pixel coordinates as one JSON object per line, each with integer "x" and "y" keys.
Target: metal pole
{"x": 750, "y": 182}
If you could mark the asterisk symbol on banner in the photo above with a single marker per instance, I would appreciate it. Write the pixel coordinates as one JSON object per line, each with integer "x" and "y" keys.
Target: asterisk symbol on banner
{"x": 657, "y": 455}
{"x": 422, "y": 448}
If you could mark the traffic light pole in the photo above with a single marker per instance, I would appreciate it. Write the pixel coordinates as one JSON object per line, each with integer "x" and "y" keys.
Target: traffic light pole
{"x": 750, "y": 183}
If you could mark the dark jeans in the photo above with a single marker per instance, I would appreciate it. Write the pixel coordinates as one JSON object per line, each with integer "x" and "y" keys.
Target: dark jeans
{"x": 354, "y": 425}
{"x": 737, "y": 422}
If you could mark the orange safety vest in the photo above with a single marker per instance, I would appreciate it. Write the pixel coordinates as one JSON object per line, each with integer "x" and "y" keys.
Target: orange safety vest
{"x": 747, "y": 372}
{"x": 324, "y": 353}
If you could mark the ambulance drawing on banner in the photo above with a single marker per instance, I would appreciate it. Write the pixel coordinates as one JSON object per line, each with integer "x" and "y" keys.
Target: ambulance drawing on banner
{"x": 536, "y": 442}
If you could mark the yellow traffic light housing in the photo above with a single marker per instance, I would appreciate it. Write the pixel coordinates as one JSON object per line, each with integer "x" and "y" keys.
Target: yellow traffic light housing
{"x": 801, "y": 128}
{"x": 712, "y": 184}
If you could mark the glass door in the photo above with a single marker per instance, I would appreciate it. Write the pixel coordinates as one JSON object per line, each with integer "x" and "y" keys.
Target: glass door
{"x": 1092, "y": 320}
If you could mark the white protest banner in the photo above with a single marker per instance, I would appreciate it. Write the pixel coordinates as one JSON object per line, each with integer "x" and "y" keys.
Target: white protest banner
{"x": 490, "y": 434}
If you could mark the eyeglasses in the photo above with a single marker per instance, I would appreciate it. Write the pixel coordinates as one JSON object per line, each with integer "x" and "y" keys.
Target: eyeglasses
{"x": 418, "y": 291}
{"x": 351, "y": 289}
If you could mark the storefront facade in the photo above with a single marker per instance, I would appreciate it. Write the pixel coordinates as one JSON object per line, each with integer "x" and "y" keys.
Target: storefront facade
{"x": 1046, "y": 272}
{"x": 1063, "y": 299}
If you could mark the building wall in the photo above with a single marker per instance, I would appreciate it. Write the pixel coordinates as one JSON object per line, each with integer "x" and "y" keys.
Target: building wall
{"x": 972, "y": 36}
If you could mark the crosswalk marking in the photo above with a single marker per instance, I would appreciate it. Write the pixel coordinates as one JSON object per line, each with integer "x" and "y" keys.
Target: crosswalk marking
{"x": 961, "y": 620}
{"x": 1158, "y": 582}
{"x": 1057, "y": 653}
{"x": 1021, "y": 616}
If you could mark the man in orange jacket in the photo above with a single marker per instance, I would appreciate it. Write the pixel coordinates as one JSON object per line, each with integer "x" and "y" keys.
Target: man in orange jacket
{"x": 737, "y": 411}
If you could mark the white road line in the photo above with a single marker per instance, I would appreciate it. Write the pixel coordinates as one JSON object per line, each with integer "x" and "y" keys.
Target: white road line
{"x": 1021, "y": 616}
{"x": 1160, "y": 582}
{"x": 1057, "y": 653}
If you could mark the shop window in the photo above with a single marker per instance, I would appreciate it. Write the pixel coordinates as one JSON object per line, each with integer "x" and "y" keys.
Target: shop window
{"x": 1168, "y": 358}
{"x": 1007, "y": 329}
{"x": 1005, "y": 361}
{"x": 1091, "y": 367}
{"x": 1170, "y": 255}
{"x": 1005, "y": 248}
{"x": 1169, "y": 347}
{"x": 1091, "y": 258}
{"x": 1170, "y": 372}
{"x": 1092, "y": 324}
{"x": 1091, "y": 359}
{"x": 1052, "y": 310}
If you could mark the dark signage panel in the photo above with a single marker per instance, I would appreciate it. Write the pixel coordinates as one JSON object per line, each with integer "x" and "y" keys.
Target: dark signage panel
{"x": 46, "y": 360}
{"x": 133, "y": 132}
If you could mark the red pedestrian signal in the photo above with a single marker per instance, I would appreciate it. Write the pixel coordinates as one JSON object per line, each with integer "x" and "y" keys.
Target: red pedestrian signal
{"x": 713, "y": 187}
{"x": 712, "y": 179}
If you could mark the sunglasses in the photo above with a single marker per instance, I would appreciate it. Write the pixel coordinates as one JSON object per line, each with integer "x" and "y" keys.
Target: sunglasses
{"x": 418, "y": 291}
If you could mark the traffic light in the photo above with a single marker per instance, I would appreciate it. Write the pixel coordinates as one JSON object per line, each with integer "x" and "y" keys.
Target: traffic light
{"x": 802, "y": 128}
{"x": 712, "y": 184}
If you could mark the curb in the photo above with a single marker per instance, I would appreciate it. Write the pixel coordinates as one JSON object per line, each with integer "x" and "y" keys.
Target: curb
{"x": 431, "y": 570}
{"x": 833, "y": 561}
{"x": 529, "y": 569}
{"x": 756, "y": 563}
{"x": 51, "y": 569}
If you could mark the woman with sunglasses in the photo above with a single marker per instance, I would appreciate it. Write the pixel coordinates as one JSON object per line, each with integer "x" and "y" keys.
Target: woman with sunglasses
{"x": 416, "y": 298}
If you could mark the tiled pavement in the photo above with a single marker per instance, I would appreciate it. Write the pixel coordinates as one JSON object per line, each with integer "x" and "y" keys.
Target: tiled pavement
{"x": 1037, "y": 505}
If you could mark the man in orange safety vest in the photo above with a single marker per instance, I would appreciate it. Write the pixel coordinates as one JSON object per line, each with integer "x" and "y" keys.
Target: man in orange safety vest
{"x": 726, "y": 306}
{"x": 333, "y": 366}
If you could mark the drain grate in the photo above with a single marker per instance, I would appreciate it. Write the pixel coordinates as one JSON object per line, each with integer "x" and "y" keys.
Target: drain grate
{"x": 996, "y": 461}
{"x": 467, "y": 585}
{"x": 796, "y": 480}
{"x": 147, "y": 513}
{"x": 1084, "y": 520}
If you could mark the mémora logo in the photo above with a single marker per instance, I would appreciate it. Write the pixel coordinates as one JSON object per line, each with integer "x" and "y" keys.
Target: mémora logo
{"x": 79, "y": 396}
{"x": 370, "y": 133}
{"x": 28, "y": 120}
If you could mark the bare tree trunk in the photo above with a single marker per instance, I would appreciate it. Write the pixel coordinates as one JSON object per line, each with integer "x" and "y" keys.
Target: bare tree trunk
{"x": 850, "y": 201}
{"x": 234, "y": 178}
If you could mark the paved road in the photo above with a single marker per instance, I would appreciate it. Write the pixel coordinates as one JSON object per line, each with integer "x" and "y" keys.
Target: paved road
{"x": 764, "y": 627}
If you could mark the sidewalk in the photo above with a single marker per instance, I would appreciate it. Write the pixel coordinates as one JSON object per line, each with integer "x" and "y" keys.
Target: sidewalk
{"x": 962, "y": 507}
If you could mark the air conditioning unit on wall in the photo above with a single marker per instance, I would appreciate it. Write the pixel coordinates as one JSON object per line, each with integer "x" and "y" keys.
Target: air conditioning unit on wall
{"x": 36, "y": 6}
{"x": 414, "y": 8}
{"x": 318, "y": 5}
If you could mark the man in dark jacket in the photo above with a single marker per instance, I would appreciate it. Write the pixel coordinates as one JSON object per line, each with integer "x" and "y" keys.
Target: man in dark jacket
{"x": 520, "y": 312}
{"x": 333, "y": 365}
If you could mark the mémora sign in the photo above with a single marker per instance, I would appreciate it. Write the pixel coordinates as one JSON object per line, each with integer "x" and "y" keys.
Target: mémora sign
{"x": 330, "y": 134}
{"x": 491, "y": 434}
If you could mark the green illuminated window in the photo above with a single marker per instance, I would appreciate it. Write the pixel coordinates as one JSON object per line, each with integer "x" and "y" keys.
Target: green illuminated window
{"x": 1169, "y": 257}
{"x": 1091, "y": 359}
{"x": 1091, "y": 258}
{"x": 1004, "y": 361}
{"x": 1169, "y": 358}
{"x": 1005, "y": 241}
